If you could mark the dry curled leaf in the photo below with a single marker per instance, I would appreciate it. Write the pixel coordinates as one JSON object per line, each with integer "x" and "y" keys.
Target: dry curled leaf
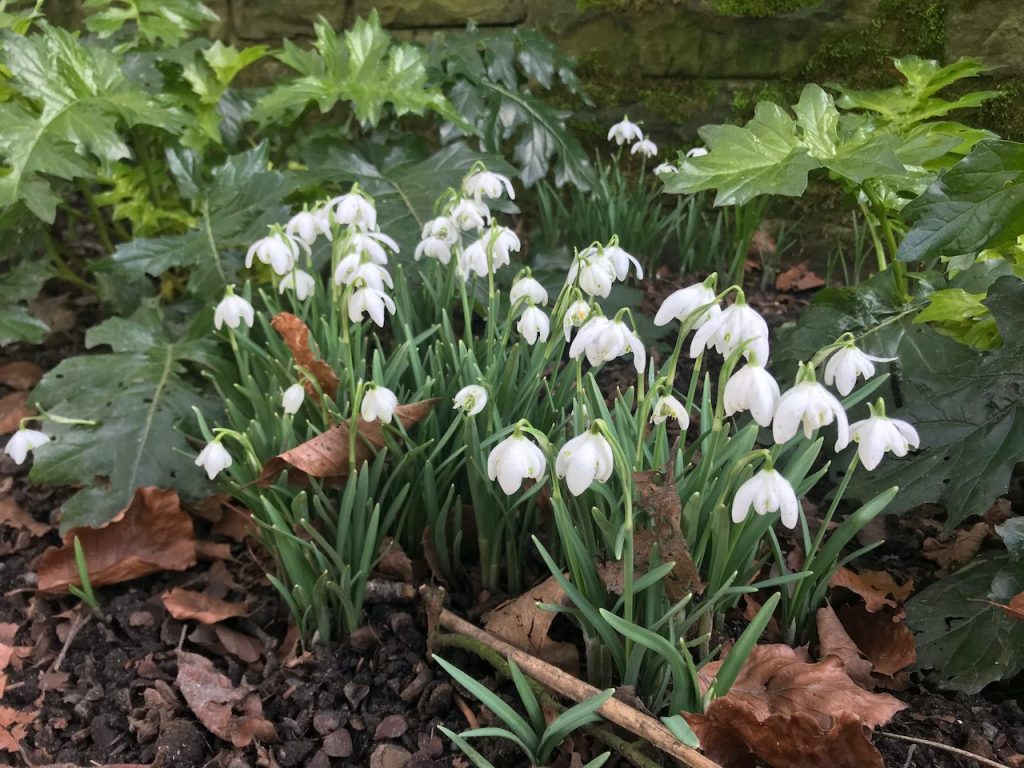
{"x": 1015, "y": 608}
{"x": 658, "y": 498}
{"x": 14, "y": 725}
{"x": 13, "y": 408}
{"x": 877, "y": 589}
{"x": 151, "y": 534}
{"x": 791, "y": 713}
{"x": 798, "y": 278}
{"x": 20, "y": 375}
{"x": 296, "y": 335}
{"x": 525, "y": 625}
{"x": 959, "y": 551}
{"x": 326, "y": 455}
{"x": 882, "y": 638}
{"x": 184, "y": 605}
{"x": 13, "y": 516}
{"x": 834, "y": 640}
{"x": 234, "y": 714}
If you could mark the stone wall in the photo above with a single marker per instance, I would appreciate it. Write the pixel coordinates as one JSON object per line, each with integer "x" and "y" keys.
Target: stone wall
{"x": 682, "y": 61}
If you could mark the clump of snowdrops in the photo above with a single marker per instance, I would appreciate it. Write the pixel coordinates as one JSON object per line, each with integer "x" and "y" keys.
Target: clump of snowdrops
{"x": 453, "y": 406}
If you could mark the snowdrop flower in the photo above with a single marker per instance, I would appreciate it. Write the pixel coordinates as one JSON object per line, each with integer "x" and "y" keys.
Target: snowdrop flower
{"x": 499, "y": 243}
{"x": 602, "y": 339}
{"x": 665, "y": 168}
{"x": 528, "y": 288}
{"x": 766, "y": 491}
{"x": 470, "y": 400}
{"x": 696, "y": 152}
{"x": 439, "y": 235}
{"x": 306, "y": 226}
{"x": 483, "y": 183}
{"x": 878, "y": 434}
{"x": 353, "y": 268}
{"x": 621, "y": 261}
{"x": 729, "y": 329}
{"x": 513, "y": 460}
{"x": 575, "y": 316}
{"x": 534, "y": 325}
{"x": 668, "y": 407}
{"x": 645, "y": 147}
{"x": 299, "y": 281}
{"x": 595, "y": 272}
{"x": 292, "y": 399}
{"x": 23, "y": 441}
{"x": 370, "y": 245}
{"x": 681, "y": 304}
{"x": 371, "y": 301}
{"x": 214, "y": 458}
{"x": 277, "y": 249}
{"x": 470, "y": 214}
{"x": 584, "y": 459}
{"x": 378, "y": 403}
{"x": 752, "y": 389}
{"x": 847, "y": 363}
{"x": 354, "y": 210}
{"x": 625, "y": 132}
{"x": 810, "y": 404}
{"x": 233, "y": 310}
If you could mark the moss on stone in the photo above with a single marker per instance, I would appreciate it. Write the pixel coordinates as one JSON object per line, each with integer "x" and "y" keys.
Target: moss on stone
{"x": 761, "y": 8}
{"x": 1005, "y": 115}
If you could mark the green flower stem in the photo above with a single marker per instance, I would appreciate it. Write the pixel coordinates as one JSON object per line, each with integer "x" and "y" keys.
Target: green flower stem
{"x": 146, "y": 161}
{"x": 97, "y": 216}
{"x": 899, "y": 273}
{"x": 64, "y": 272}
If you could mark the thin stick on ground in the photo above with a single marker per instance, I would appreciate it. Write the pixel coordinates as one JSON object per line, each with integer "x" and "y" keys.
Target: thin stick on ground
{"x": 944, "y": 747}
{"x": 612, "y": 710}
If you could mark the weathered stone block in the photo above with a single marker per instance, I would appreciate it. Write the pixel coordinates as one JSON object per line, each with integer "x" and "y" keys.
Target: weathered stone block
{"x": 443, "y": 13}
{"x": 992, "y": 30}
{"x": 272, "y": 20}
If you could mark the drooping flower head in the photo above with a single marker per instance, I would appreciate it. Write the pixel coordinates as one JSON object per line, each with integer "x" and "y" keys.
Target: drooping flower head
{"x": 306, "y": 226}
{"x": 233, "y": 311}
{"x": 847, "y": 363}
{"x": 354, "y": 210}
{"x": 727, "y": 331}
{"x": 575, "y": 316}
{"x": 490, "y": 253}
{"x": 625, "y": 132}
{"x": 810, "y": 405}
{"x": 470, "y": 399}
{"x": 767, "y": 491}
{"x": 594, "y": 270}
{"x": 22, "y": 442}
{"x": 514, "y": 459}
{"x": 644, "y": 147}
{"x": 378, "y": 403}
{"x": 668, "y": 407}
{"x": 484, "y": 183}
{"x": 354, "y": 267}
{"x": 292, "y": 399}
{"x": 601, "y": 340}
{"x": 439, "y": 236}
{"x": 534, "y": 325}
{"x": 300, "y": 282}
{"x": 681, "y": 304}
{"x": 752, "y": 389}
{"x": 470, "y": 214}
{"x": 584, "y": 459}
{"x": 278, "y": 249}
{"x": 527, "y": 288}
{"x": 878, "y": 434}
{"x": 214, "y": 458}
{"x": 369, "y": 301}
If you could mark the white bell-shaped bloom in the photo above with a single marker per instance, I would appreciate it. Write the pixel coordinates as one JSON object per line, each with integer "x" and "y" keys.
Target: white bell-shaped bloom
{"x": 433, "y": 248}
{"x": 625, "y": 132}
{"x": 602, "y": 340}
{"x": 767, "y": 491}
{"x": 302, "y": 283}
{"x": 378, "y": 403}
{"x": 439, "y": 235}
{"x": 354, "y": 267}
{"x": 668, "y": 407}
{"x": 584, "y": 459}
{"x": 490, "y": 253}
{"x": 306, "y": 226}
{"x": 595, "y": 271}
{"x": 753, "y": 389}
{"x": 470, "y": 214}
{"x": 644, "y": 147}
{"x": 473, "y": 259}
{"x": 470, "y": 399}
{"x": 354, "y": 210}
{"x": 681, "y": 304}
{"x": 528, "y": 288}
{"x": 621, "y": 261}
{"x": 292, "y": 399}
{"x": 371, "y": 301}
{"x": 513, "y": 460}
{"x": 576, "y": 315}
{"x": 878, "y": 434}
{"x": 697, "y": 152}
{"x": 371, "y": 245}
{"x": 846, "y": 364}
{"x": 665, "y": 168}
{"x": 214, "y": 458}
{"x": 736, "y": 324}
{"x": 23, "y": 441}
{"x": 233, "y": 311}
{"x": 277, "y": 249}
{"x": 809, "y": 404}
{"x": 534, "y": 325}
{"x": 487, "y": 184}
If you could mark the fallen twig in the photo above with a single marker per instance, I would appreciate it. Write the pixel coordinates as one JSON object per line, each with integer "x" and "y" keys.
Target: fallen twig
{"x": 944, "y": 747}
{"x": 81, "y": 619}
{"x": 612, "y": 710}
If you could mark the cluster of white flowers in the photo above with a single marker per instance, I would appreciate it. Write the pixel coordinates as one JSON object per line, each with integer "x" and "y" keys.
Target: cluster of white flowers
{"x": 627, "y": 132}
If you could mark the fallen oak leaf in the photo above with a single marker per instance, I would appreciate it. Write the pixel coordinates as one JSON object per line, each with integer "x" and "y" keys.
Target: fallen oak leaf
{"x": 184, "y": 605}
{"x": 295, "y": 334}
{"x": 522, "y": 623}
{"x": 878, "y": 589}
{"x": 234, "y": 714}
{"x": 881, "y": 637}
{"x": 834, "y": 640}
{"x": 14, "y": 725}
{"x": 150, "y": 535}
{"x": 952, "y": 554}
{"x": 326, "y": 455}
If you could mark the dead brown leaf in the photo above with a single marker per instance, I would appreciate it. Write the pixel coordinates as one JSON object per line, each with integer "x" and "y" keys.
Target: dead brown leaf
{"x": 959, "y": 551}
{"x": 1015, "y": 608}
{"x": 151, "y": 534}
{"x": 234, "y": 714}
{"x": 296, "y": 335}
{"x": 798, "y": 278}
{"x": 878, "y": 589}
{"x": 14, "y": 725}
{"x": 523, "y": 624}
{"x": 326, "y": 455}
{"x": 657, "y": 496}
{"x": 54, "y": 311}
{"x": 881, "y": 637}
{"x": 13, "y": 408}
{"x": 20, "y": 375}
{"x": 834, "y": 640}
{"x": 11, "y": 655}
{"x": 791, "y": 713}
{"x": 246, "y": 647}
{"x": 184, "y": 605}
{"x": 393, "y": 562}
{"x": 13, "y": 516}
